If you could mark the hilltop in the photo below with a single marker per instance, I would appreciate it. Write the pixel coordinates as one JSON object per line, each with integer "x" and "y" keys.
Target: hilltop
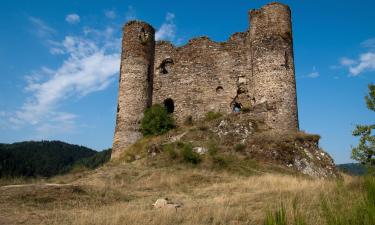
{"x": 46, "y": 158}
{"x": 223, "y": 170}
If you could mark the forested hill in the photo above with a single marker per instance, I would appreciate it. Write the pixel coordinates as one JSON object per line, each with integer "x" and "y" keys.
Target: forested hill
{"x": 45, "y": 158}
{"x": 353, "y": 168}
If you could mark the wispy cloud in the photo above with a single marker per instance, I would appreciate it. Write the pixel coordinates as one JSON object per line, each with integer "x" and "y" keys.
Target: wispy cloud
{"x": 130, "y": 13}
{"x": 41, "y": 29}
{"x": 313, "y": 74}
{"x": 365, "y": 61}
{"x": 369, "y": 43}
{"x": 167, "y": 30}
{"x": 347, "y": 62}
{"x": 72, "y": 18}
{"x": 111, "y": 14}
{"x": 91, "y": 64}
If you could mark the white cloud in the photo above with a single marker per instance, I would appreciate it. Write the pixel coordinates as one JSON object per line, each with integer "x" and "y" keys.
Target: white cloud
{"x": 72, "y": 18}
{"x": 366, "y": 63}
{"x": 167, "y": 30}
{"x": 347, "y": 62}
{"x": 111, "y": 14}
{"x": 41, "y": 29}
{"x": 91, "y": 64}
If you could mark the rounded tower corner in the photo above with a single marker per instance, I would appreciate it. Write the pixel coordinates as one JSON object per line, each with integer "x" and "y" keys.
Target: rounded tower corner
{"x": 272, "y": 60}
{"x": 135, "y": 83}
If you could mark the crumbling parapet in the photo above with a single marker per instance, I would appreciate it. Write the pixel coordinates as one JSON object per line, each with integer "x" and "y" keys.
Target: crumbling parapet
{"x": 253, "y": 70}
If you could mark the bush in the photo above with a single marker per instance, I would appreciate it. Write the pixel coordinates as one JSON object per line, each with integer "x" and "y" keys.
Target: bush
{"x": 212, "y": 115}
{"x": 169, "y": 149}
{"x": 156, "y": 121}
{"x": 245, "y": 109}
{"x": 220, "y": 162}
{"x": 212, "y": 148}
{"x": 189, "y": 121}
{"x": 189, "y": 155}
{"x": 239, "y": 147}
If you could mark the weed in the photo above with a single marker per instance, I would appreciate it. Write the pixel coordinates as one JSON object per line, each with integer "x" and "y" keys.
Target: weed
{"x": 189, "y": 155}
{"x": 239, "y": 147}
{"x": 212, "y": 115}
{"x": 189, "y": 121}
{"x": 277, "y": 218}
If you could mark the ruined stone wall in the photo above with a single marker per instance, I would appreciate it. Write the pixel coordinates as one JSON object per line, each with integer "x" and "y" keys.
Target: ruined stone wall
{"x": 135, "y": 83}
{"x": 253, "y": 69}
{"x": 201, "y": 76}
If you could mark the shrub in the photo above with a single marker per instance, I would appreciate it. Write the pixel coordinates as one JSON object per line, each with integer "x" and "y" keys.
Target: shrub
{"x": 156, "y": 121}
{"x": 169, "y": 149}
{"x": 245, "y": 109}
{"x": 203, "y": 128}
{"x": 188, "y": 121}
{"x": 239, "y": 147}
{"x": 189, "y": 155}
{"x": 220, "y": 161}
{"x": 212, "y": 115}
{"x": 212, "y": 148}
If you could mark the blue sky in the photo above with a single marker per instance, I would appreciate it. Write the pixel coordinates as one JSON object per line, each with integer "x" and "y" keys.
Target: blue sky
{"x": 59, "y": 62}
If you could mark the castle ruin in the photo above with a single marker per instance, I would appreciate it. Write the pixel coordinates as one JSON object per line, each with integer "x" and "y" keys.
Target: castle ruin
{"x": 253, "y": 69}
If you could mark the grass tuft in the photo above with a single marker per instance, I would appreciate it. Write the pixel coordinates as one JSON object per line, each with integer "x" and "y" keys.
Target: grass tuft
{"x": 213, "y": 115}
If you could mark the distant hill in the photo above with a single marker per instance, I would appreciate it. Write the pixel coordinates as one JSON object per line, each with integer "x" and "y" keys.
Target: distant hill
{"x": 353, "y": 168}
{"x": 46, "y": 158}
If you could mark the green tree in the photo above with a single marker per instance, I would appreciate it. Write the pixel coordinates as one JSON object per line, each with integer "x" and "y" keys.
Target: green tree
{"x": 365, "y": 151}
{"x": 156, "y": 121}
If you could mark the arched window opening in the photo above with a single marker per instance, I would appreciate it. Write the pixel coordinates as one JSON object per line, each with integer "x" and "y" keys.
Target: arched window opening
{"x": 169, "y": 105}
{"x": 165, "y": 64}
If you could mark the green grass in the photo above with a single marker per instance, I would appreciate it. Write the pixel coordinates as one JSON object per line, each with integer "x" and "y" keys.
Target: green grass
{"x": 189, "y": 155}
{"x": 277, "y": 218}
{"x": 361, "y": 212}
{"x": 341, "y": 207}
{"x": 213, "y": 115}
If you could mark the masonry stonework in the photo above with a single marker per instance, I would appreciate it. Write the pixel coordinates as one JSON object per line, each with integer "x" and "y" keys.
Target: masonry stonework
{"x": 135, "y": 83}
{"x": 253, "y": 69}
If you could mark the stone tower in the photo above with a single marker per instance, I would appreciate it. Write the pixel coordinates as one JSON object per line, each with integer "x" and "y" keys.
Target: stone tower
{"x": 273, "y": 64}
{"x": 253, "y": 69}
{"x": 135, "y": 83}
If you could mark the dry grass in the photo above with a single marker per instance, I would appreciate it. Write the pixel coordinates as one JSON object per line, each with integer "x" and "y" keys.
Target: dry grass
{"x": 123, "y": 193}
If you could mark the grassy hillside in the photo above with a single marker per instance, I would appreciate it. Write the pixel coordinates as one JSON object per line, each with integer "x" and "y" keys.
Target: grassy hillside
{"x": 222, "y": 171}
{"x": 45, "y": 158}
{"x": 123, "y": 193}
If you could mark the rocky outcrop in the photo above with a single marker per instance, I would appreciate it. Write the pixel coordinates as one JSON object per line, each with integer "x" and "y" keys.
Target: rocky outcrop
{"x": 293, "y": 149}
